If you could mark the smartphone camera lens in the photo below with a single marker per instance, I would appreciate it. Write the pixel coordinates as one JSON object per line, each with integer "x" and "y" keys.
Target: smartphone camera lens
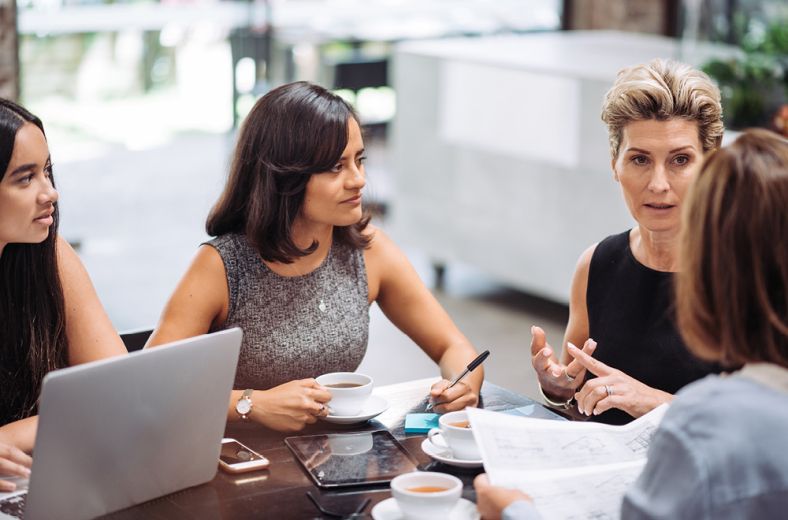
{"x": 243, "y": 455}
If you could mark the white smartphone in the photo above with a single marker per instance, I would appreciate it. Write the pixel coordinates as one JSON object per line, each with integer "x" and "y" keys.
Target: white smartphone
{"x": 237, "y": 458}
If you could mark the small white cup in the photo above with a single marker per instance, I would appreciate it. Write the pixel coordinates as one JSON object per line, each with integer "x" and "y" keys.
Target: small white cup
{"x": 347, "y": 401}
{"x": 458, "y": 440}
{"x": 420, "y": 505}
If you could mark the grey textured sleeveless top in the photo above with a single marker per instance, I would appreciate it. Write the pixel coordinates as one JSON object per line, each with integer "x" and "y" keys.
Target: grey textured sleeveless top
{"x": 295, "y": 327}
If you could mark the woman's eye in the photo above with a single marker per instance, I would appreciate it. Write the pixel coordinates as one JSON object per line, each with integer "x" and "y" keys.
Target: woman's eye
{"x": 27, "y": 179}
{"x": 361, "y": 160}
{"x": 681, "y": 160}
{"x": 337, "y": 168}
{"x": 640, "y": 160}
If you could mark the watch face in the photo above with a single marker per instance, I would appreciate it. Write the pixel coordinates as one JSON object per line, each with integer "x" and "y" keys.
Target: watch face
{"x": 243, "y": 407}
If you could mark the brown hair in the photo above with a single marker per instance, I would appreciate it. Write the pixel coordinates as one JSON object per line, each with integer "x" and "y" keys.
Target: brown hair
{"x": 732, "y": 290}
{"x": 292, "y": 133}
{"x": 662, "y": 90}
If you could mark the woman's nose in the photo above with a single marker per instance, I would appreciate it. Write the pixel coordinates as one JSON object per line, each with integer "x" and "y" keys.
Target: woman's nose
{"x": 48, "y": 194}
{"x": 659, "y": 180}
{"x": 357, "y": 179}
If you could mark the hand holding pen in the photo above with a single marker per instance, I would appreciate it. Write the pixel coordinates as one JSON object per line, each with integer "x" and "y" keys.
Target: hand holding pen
{"x": 442, "y": 389}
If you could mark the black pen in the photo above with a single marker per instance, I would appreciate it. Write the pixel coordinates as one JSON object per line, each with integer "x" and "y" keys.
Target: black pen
{"x": 471, "y": 366}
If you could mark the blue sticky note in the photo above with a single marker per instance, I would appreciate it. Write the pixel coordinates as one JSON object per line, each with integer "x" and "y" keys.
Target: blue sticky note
{"x": 420, "y": 422}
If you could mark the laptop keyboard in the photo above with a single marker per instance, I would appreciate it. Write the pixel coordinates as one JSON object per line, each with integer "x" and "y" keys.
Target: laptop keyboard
{"x": 14, "y": 506}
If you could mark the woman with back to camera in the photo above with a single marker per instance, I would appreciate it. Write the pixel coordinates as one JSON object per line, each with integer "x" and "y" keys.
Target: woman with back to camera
{"x": 720, "y": 451}
{"x": 51, "y": 317}
{"x": 296, "y": 265}
{"x": 662, "y": 117}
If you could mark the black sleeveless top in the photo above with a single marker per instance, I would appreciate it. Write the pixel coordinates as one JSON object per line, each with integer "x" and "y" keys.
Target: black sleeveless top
{"x": 631, "y": 317}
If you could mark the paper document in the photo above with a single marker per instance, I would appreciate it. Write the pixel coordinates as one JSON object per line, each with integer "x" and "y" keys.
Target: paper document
{"x": 572, "y": 470}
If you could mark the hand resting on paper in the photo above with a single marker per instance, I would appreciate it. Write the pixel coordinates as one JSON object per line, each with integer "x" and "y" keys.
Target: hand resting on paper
{"x": 557, "y": 380}
{"x": 452, "y": 399}
{"x": 614, "y": 389}
{"x": 15, "y": 463}
{"x": 492, "y": 500}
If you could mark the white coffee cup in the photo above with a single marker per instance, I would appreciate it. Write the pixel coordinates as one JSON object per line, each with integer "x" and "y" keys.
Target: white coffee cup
{"x": 426, "y": 504}
{"x": 459, "y": 440}
{"x": 350, "y": 400}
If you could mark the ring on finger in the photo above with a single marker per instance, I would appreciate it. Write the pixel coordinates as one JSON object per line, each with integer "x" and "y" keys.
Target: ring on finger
{"x": 609, "y": 390}
{"x": 567, "y": 376}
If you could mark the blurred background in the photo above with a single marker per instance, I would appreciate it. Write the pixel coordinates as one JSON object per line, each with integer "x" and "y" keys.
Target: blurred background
{"x": 488, "y": 163}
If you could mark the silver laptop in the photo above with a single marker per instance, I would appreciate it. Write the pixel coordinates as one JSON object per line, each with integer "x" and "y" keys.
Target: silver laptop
{"x": 121, "y": 431}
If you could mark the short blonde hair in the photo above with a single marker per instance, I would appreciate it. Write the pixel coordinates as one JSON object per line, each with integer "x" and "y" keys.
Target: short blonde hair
{"x": 732, "y": 288}
{"x": 663, "y": 89}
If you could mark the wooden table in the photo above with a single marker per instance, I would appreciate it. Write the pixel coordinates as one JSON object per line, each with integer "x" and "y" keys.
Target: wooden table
{"x": 280, "y": 491}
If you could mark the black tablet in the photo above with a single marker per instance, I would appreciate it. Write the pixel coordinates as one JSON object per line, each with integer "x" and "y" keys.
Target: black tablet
{"x": 351, "y": 459}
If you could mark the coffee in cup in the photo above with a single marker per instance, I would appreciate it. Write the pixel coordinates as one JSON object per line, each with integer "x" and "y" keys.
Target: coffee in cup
{"x": 349, "y": 392}
{"x": 455, "y": 434}
{"x": 427, "y": 489}
{"x": 426, "y": 495}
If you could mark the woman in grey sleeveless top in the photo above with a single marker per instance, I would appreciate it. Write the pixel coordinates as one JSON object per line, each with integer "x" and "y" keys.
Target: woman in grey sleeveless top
{"x": 296, "y": 265}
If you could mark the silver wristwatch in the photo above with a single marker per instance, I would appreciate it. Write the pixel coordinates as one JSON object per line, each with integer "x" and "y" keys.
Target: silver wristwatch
{"x": 244, "y": 404}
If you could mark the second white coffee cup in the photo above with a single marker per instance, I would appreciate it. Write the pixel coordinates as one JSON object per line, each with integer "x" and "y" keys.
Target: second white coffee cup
{"x": 456, "y": 435}
{"x": 349, "y": 392}
{"x": 426, "y": 495}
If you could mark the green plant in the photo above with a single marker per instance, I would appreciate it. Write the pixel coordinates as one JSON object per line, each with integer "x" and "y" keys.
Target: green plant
{"x": 755, "y": 85}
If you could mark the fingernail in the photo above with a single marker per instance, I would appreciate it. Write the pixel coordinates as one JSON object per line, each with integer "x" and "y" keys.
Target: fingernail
{"x": 596, "y": 412}
{"x": 546, "y": 352}
{"x": 26, "y": 471}
{"x": 532, "y": 329}
{"x": 571, "y": 346}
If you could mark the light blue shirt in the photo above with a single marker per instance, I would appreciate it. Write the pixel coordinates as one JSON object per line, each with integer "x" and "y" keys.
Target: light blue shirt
{"x": 720, "y": 452}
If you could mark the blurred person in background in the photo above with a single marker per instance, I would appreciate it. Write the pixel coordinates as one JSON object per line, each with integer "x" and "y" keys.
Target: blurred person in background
{"x": 296, "y": 264}
{"x": 50, "y": 314}
{"x": 662, "y": 117}
{"x": 719, "y": 452}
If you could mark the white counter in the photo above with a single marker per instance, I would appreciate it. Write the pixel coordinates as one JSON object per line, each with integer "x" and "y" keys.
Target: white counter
{"x": 500, "y": 158}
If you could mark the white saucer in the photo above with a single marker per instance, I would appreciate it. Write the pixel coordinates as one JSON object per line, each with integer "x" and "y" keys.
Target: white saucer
{"x": 447, "y": 457}
{"x": 375, "y": 405}
{"x": 389, "y": 510}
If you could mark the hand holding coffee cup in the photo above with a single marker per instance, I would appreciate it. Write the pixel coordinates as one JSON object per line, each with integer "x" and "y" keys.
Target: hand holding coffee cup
{"x": 456, "y": 436}
{"x": 426, "y": 495}
{"x": 349, "y": 392}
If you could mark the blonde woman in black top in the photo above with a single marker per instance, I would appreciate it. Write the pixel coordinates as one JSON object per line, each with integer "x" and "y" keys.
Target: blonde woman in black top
{"x": 662, "y": 117}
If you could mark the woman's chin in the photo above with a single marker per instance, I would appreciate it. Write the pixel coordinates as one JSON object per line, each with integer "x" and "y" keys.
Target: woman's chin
{"x": 659, "y": 225}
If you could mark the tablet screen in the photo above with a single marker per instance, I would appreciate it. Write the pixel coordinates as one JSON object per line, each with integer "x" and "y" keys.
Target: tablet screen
{"x": 351, "y": 459}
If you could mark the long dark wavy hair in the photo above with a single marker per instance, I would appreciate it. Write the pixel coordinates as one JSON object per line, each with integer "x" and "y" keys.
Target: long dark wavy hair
{"x": 32, "y": 310}
{"x": 292, "y": 133}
